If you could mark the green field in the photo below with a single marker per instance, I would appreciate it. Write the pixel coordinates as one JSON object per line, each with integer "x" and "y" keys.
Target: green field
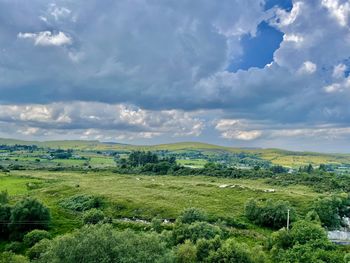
{"x": 148, "y": 196}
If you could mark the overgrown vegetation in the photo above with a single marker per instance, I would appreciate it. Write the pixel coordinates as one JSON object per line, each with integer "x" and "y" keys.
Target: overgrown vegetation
{"x": 216, "y": 212}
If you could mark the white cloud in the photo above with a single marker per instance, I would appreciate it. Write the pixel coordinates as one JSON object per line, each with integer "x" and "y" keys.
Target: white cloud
{"x": 339, "y": 9}
{"x": 99, "y": 119}
{"x": 293, "y": 38}
{"x": 287, "y": 18}
{"x": 307, "y": 68}
{"x": 236, "y": 129}
{"x": 47, "y": 38}
{"x": 242, "y": 135}
{"x": 342, "y": 86}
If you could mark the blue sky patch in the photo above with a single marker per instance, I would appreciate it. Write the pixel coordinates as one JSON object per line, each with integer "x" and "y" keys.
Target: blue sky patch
{"x": 258, "y": 51}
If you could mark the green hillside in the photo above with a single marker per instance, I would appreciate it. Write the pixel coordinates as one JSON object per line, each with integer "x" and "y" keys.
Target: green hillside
{"x": 275, "y": 156}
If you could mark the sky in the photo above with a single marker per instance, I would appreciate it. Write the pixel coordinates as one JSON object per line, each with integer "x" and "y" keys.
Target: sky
{"x": 244, "y": 73}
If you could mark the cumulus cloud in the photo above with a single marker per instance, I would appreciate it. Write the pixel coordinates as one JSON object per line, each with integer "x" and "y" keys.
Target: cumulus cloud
{"x": 170, "y": 59}
{"x": 90, "y": 119}
{"x": 236, "y": 129}
{"x": 47, "y": 38}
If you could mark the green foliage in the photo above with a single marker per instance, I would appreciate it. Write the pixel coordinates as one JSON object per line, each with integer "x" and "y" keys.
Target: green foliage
{"x": 9, "y": 257}
{"x": 14, "y": 247}
{"x": 38, "y": 249}
{"x": 93, "y": 216}
{"x": 331, "y": 209}
{"x": 270, "y": 214}
{"x": 306, "y": 242}
{"x": 278, "y": 169}
{"x": 190, "y": 215}
{"x": 195, "y": 231}
{"x": 156, "y": 224}
{"x": 231, "y": 251}
{"x": 34, "y": 236}
{"x": 304, "y": 231}
{"x": 207, "y": 246}
{"x": 5, "y": 215}
{"x": 103, "y": 243}
{"x": 312, "y": 216}
{"x": 347, "y": 258}
{"x": 186, "y": 253}
{"x": 28, "y": 214}
{"x": 81, "y": 202}
{"x": 4, "y": 197}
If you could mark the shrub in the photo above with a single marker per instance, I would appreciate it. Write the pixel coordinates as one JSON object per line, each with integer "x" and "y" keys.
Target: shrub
{"x": 101, "y": 243}
{"x": 9, "y": 257}
{"x": 191, "y": 215}
{"x": 28, "y": 214}
{"x": 157, "y": 224}
{"x": 195, "y": 231}
{"x": 205, "y": 247}
{"x": 186, "y": 253}
{"x": 93, "y": 216}
{"x": 38, "y": 249}
{"x": 34, "y": 236}
{"x": 14, "y": 247}
{"x": 231, "y": 251}
{"x": 303, "y": 232}
{"x": 270, "y": 214}
{"x": 81, "y": 202}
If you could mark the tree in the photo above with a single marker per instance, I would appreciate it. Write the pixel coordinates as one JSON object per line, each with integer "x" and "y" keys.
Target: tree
{"x": 28, "y": 214}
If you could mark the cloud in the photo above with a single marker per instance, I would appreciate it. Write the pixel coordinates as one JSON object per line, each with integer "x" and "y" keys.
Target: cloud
{"x": 307, "y": 68}
{"x": 98, "y": 118}
{"x": 170, "y": 60}
{"x": 339, "y": 9}
{"x": 46, "y": 38}
{"x": 235, "y": 129}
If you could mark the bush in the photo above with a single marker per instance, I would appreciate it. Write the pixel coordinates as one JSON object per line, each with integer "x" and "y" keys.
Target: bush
{"x": 27, "y": 215}
{"x": 14, "y": 247}
{"x": 100, "y": 243}
{"x": 186, "y": 253}
{"x": 157, "y": 224}
{"x": 231, "y": 251}
{"x": 81, "y": 202}
{"x": 9, "y": 257}
{"x": 303, "y": 232}
{"x": 270, "y": 214}
{"x": 205, "y": 247}
{"x": 195, "y": 231}
{"x": 93, "y": 216}
{"x": 191, "y": 215}
{"x": 305, "y": 242}
{"x": 331, "y": 209}
{"x": 34, "y": 236}
{"x": 38, "y": 249}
